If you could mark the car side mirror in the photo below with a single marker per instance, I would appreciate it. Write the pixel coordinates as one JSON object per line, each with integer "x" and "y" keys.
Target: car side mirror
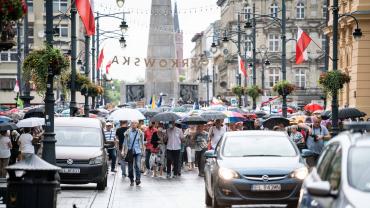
{"x": 319, "y": 188}
{"x": 210, "y": 154}
{"x": 307, "y": 153}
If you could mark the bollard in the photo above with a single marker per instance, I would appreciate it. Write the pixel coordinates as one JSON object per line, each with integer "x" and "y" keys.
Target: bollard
{"x": 32, "y": 184}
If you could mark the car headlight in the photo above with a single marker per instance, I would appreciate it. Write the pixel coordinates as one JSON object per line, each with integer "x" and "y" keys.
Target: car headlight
{"x": 227, "y": 174}
{"x": 300, "y": 173}
{"x": 96, "y": 160}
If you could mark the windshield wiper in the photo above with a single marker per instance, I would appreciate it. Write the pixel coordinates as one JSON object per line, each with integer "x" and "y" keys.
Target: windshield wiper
{"x": 262, "y": 156}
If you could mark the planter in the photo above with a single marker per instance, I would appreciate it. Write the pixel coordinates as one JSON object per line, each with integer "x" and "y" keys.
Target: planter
{"x": 284, "y": 88}
{"x": 333, "y": 81}
{"x": 12, "y": 10}
{"x": 7, "y": 35}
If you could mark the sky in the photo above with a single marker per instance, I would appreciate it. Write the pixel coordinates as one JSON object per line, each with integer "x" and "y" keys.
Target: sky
{"x": 194, "y": 16}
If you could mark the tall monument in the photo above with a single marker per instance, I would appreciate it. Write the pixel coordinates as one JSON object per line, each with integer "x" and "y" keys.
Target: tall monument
{"x": 161, "y": 45}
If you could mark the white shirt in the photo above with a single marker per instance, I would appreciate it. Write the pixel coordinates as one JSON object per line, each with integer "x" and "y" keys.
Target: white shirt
{"x": 26, "y": 144}
{"x": 4, "y": 147}
{"x": 217, "y": 135}
{"x": 174, "y": 138}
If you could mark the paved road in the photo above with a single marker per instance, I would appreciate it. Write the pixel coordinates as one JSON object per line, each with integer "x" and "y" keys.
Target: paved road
{"x": 186, "y": 191}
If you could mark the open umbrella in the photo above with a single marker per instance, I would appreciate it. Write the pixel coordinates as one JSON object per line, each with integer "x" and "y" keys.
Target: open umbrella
{"x": 100, "y": 112}
{"x": 126, "y": 114}
{"x": 350, "y": 113}
{"x": 274, "y": 121}
{"x": 166, "y": 117}
{"x": 150, "y": 113}
{"x": 213, "y": 115}
{"x": 35, "y": 112}
{"x": 194, "y": 120}
{"x": 4, "y": 119}
{"x": 325, "y": 115}
{"x": 234, "y": 117}
{"x": 31, "y": 122}
{"x": 260, "y": 114}
{"x": 288, "y": 109}
{"x": 7, "y": 126}
{"x": 312, "y": 107}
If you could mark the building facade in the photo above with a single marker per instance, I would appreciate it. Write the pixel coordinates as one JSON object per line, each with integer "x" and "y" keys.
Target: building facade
{"x": 310, "y": 16}
{"x": 35, "y": 34}
{"x": 353, "y": 54}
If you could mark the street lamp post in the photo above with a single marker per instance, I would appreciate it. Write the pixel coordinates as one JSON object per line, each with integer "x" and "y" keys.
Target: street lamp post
{"x": 87, "y": 67}
{"x": 334, "y": 103}
{"x": 283, "y": 52}
{"x": 73, "y": 104}
{"x": 93, "y": 68}
{"x": 48, "y": 153}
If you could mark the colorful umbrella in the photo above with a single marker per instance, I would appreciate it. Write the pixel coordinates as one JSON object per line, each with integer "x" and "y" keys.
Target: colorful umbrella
{"x": 213, "y": 115}
{"x": 4, "y": 119}
{"x": 313, "y": 107}
{"x": 234, "y": 117}
{"x": 288, "y": 109}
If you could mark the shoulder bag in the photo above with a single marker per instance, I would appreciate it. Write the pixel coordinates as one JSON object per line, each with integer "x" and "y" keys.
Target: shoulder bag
{"x": 130, "y": 152}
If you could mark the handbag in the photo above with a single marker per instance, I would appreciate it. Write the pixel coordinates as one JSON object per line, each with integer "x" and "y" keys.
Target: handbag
{"x": 130, "y": 153}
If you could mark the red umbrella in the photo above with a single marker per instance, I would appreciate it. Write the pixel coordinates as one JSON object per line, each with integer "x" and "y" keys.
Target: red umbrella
{"x": 288, "y": 109}
{"x": 313, "y": 107}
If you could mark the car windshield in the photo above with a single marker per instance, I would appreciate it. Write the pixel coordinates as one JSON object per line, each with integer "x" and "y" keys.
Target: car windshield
{"x": 78, "y": 136}
{"x": 359, "y": 169}
{"x": 255, "y": 146}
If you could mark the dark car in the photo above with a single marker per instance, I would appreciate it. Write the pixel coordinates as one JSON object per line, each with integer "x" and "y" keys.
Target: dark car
{"x": 254, "y": 167}
{"x": 80, "y": 151}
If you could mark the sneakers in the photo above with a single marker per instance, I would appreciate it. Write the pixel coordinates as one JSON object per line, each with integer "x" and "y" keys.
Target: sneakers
{"x": 132, "y": 183}
{"x": 147, "y": 172}
{"x": 138, "y": 182}
{"x": 168, "y": 176}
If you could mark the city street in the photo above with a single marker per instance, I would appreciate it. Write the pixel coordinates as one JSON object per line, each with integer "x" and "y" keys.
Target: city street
{"x": 186, "y": 191}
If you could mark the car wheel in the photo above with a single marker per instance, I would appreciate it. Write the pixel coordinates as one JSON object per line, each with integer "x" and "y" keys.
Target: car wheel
{"x": 102, "y": 184}
{"x": 208, "y": 197}
{"x": 215, "y": 204}
{"x": 292, "y": 205}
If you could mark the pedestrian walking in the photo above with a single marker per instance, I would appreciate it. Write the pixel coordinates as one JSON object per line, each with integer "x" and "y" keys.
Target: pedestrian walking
{"x": 133, "y": 150}
{"x": 190, "y": 146}
{"x": 201, "y": 139}
{"x": 148, "y": 134}
{"x": 110, "y": 137}
{"x": 315, "y": 141}
{"x": 174, "y": 137}
{"x": 216, "y": 132}
{"x": 120, "y": 134}
{"x": 14, "y": 152}
{"x": 25, "y": 143}
{"x": 5, "y": 146}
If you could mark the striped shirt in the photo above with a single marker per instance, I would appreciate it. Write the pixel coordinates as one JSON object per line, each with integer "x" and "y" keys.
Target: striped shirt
{"x": 110, "y": 136}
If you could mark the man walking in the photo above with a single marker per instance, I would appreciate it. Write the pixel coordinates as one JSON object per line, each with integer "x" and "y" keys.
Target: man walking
{"x": 148, "y": 146}
{"x": 174, "y": 137}
{"x": 134, "y": 141}
{"x": 120, "y": 133}
{"x": 110, "y": 137}
{"x": 200, "y": 138}
{"x": 216, "y": 132}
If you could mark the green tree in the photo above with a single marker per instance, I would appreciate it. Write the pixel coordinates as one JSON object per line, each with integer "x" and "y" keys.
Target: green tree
{"x": 113, "y": 91}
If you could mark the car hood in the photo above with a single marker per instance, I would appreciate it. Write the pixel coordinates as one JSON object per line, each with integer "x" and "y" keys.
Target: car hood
{"x": 77, "y": 153}
{"x": 262, "y": 165}
{"x": 357, "y": 198}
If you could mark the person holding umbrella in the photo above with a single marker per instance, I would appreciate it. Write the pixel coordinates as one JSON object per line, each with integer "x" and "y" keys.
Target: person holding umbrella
{"x": 5, "y": 146}
{"x": 25, "y": 143}
{"x": 201, "y": 140}
{"x": 216, "y": 132}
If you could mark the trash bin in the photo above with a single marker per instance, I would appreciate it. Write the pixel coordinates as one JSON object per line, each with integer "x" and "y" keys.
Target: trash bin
{"x": 32, "y": 183}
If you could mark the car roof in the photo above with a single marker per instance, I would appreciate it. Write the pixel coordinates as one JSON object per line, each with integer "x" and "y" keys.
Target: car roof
{"x": 363, "y": 140}
{"x": 256, "y": 133}
{"x": 78, "y": 121}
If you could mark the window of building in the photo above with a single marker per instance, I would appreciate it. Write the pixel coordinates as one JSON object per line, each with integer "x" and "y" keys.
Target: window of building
{"x": 8, "y": 56}
{"x": 300, "y": 10}
{"x": 248, "y": 44}
{"x": 273, "y": 76}
{"x": 300, "y": 78}
{"x": 274, "y": 9}
{"x": 63, "y": 30}
{"x": 30, "y": 5}
{"x": 324, "y": 10}
{"x": 248, "y": 13}
{"x": 323, "y": 41}
{"x": 60, "y": 6}
{"x": 274, "y": 42}
{"x": 7, "y": 83}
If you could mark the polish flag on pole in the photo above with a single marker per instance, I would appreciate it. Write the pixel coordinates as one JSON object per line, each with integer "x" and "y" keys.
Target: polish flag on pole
{"x": 100, "y": 59}
{"x": 242, "y": 69}
{"x": 303, "y": 40}
{"x": 16, "y": 86}
{"x": 87, "y": 16}
{"x": 107, "y": 67}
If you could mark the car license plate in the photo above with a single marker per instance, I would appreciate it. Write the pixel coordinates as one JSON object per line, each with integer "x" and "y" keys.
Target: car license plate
{"x": 70, "y": 170}
{"x": 266, "y": 187}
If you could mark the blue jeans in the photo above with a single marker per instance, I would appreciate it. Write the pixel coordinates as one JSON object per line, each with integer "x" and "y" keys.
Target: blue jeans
{"x": 123, "y": 166}
{"x": 137, "y": 161}
{"x": 113, "y": 156}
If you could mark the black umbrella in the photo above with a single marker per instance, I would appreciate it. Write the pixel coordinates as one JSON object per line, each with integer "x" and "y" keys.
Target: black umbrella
{"x": 35, "y": 112}
{"x": 325, "y": 115}
{"x": 274, "y": 121}
{"x": 166, "y": 116}
{"x": 260, "y": 114}
{"x": 150, "y": 113}
{"x": 212, "y": 115}
{"x": 7, "y": 126}
{"x": 350, "y": 113}
{"x": 194, "y": 120}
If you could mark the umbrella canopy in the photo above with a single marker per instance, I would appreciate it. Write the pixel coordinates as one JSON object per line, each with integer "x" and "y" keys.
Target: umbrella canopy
{"x": 100, "y": 112}
{"x": 288, "y": 109}
{"x": 234, "y": 117}
{"x": 194, "y": 120}
{"x": 166, "y": 116}
{"x": 31, "y": 122}
{"x": 274, "y": 121}
{"x": 35, "y": 112}
{"x": 217, "y": 108}
{"x": 213, "y": 115}
{"x": 126, "y": 114}
{"x": 7, "y": 126}
{"x": 325, "y": 115}
{"x": 260, "y": 114}
{"x": 150, "y": 113}
{"x": 312, "y": 107}
{"x": 4, "y": 119}
{"x": 350, "y": 113}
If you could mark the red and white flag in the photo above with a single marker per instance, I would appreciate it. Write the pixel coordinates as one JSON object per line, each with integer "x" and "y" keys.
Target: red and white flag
{"x": 242, "y": 69}
{"x": 16, "y": 86}
{"x": 100, "y": 59}
{"x": 303, "y": 40}
{"x": 107, "y": 67}
{"x": 87, "y": 16}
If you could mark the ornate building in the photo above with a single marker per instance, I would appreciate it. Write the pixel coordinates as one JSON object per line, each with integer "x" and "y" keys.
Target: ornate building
{"x": 354, "y": 54}
{"x": 308, "y": 15}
